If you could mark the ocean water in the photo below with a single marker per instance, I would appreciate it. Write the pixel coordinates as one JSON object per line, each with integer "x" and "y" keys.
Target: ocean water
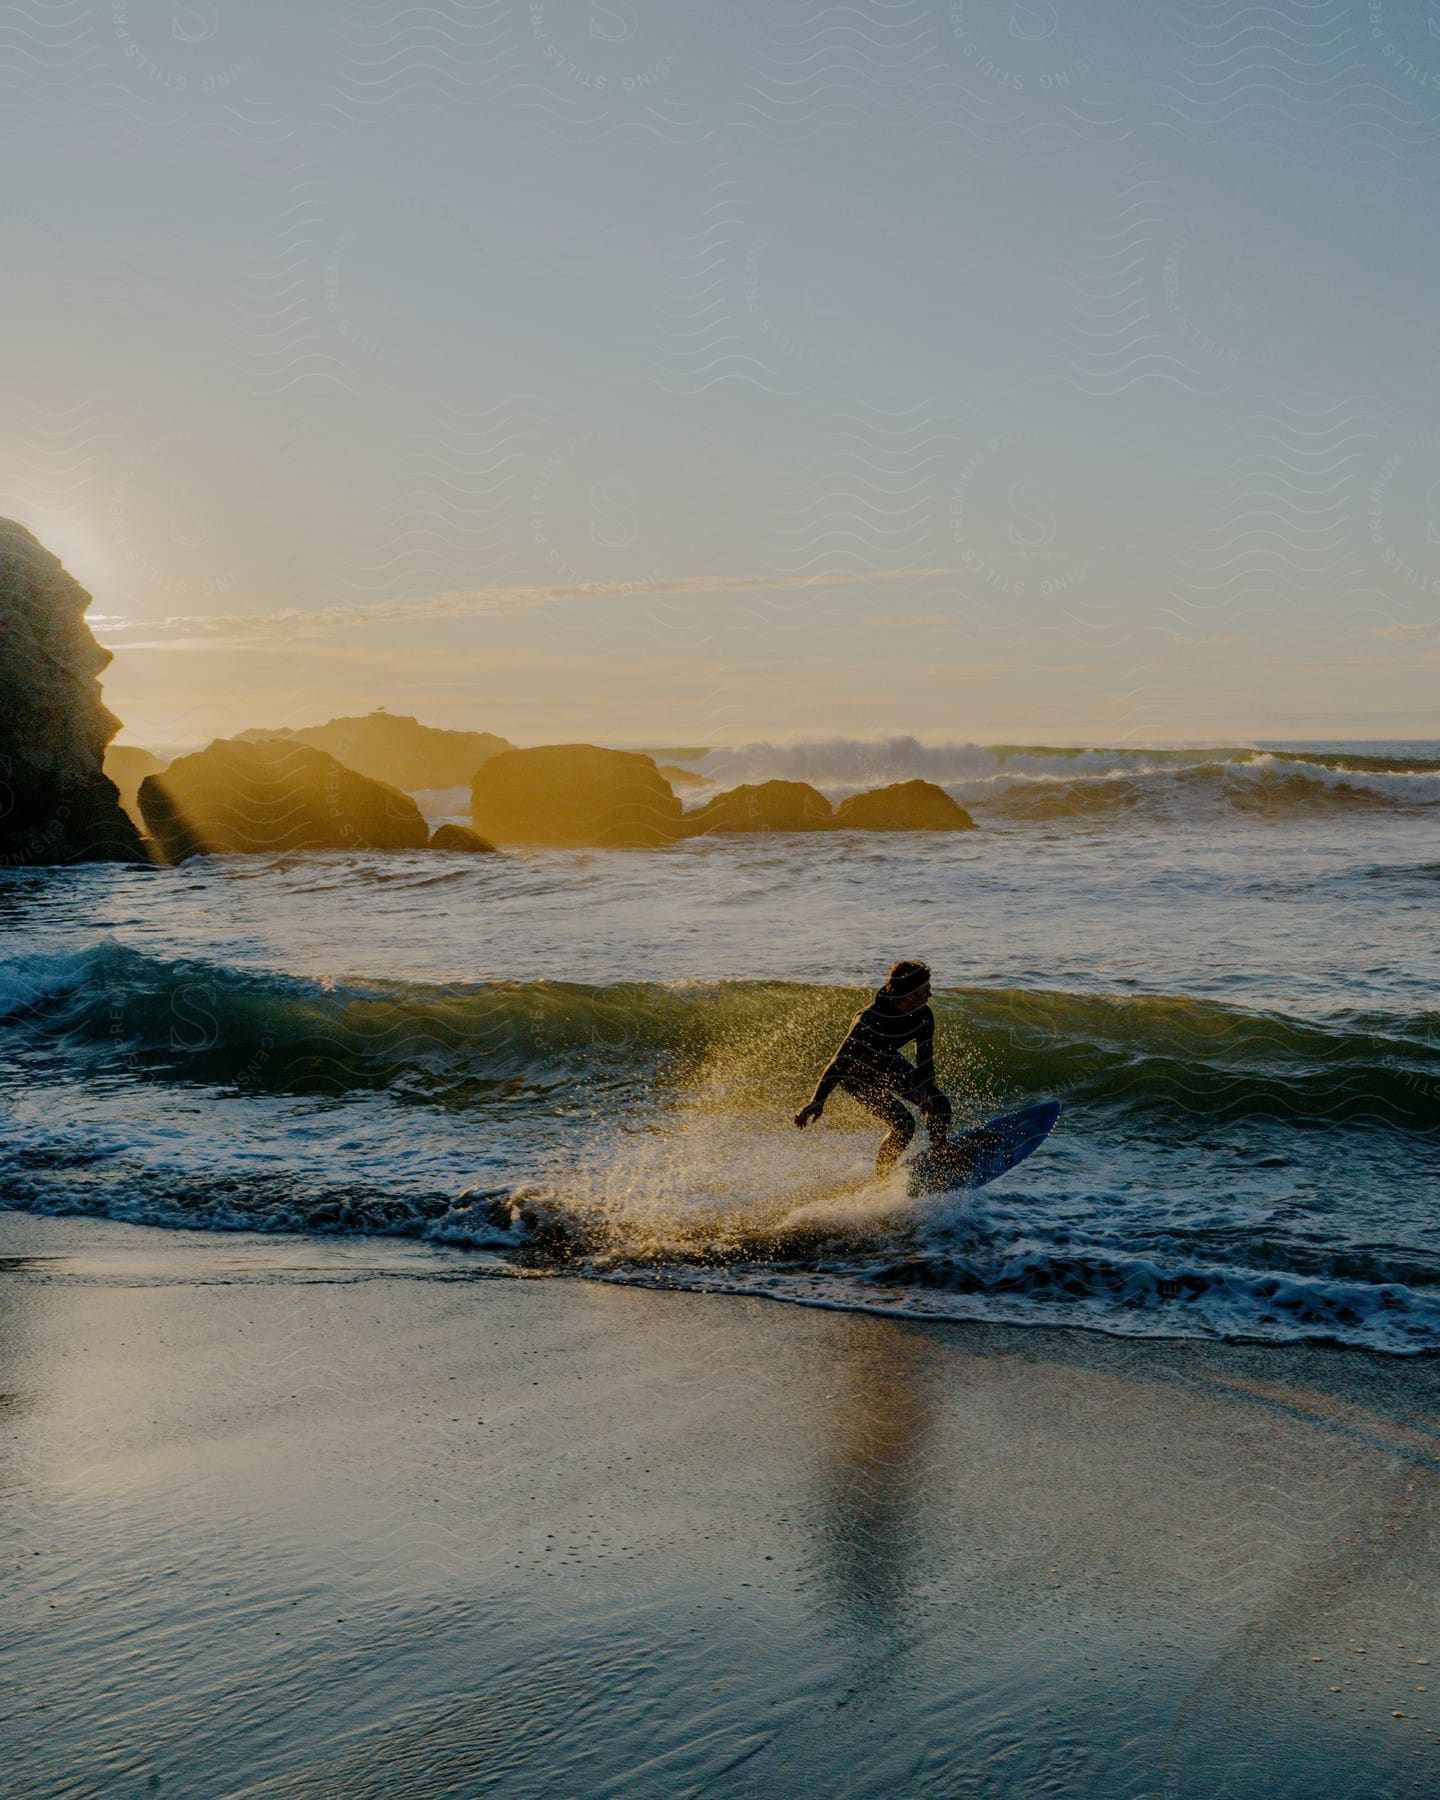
{"x": 551, "y": 1064}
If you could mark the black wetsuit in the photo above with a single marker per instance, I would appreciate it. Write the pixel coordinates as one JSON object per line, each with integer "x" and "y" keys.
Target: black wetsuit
{"x": 869, "y": 1067}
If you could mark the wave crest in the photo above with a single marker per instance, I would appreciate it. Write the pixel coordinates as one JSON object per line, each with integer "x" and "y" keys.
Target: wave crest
{"x": 1048, "y": 781}
{"x": 743, "y": 1046}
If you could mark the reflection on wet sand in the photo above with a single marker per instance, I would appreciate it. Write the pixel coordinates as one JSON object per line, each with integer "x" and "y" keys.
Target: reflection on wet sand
{"x": 876, "y": 1430}
{"x": 411, "y": 1532}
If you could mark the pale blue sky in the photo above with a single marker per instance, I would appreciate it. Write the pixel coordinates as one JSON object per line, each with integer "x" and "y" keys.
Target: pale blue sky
{"x": 515, "y": 364}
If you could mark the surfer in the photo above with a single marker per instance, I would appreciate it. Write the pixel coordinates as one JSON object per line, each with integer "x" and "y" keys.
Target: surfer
{"x": 869, "y": 1067}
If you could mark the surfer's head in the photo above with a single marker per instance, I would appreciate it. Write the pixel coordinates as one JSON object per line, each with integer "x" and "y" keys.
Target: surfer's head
{"x": 908, "y": 985}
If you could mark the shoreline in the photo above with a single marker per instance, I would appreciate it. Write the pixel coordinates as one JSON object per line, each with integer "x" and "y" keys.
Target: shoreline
{"x": 296, "y": 1516}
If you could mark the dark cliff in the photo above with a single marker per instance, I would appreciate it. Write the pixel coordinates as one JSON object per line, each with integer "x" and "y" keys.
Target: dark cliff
{"x": 56, "y": 803}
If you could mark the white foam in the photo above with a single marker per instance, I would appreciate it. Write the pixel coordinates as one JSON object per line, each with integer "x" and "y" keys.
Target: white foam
{"x": 973, "y": 774}
{"x": 1408, "y": 787}
{"x": 36, "y": 976}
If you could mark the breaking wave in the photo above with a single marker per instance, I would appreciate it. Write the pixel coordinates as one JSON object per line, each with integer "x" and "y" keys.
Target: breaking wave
{"x": 1022, "y": 782}
{"x": 113, "y": 1009}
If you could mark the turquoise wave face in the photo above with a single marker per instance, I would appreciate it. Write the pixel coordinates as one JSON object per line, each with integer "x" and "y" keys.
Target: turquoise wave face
{"x": 205, "y": 1024}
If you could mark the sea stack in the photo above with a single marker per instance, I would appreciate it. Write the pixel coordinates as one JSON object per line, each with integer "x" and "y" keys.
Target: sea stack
{"x": 461, "y": 839}
{"x": 248, "y": 798}
{"x": 903, "y": 806}
{"x": 396, "y": 749}
{"x": 763, "y": 806}
{"x": 56, "y": 803}
{"x": 574, "y": 794}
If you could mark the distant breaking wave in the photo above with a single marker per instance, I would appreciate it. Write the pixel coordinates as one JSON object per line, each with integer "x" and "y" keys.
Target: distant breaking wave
{"x": 1019, "y": 781}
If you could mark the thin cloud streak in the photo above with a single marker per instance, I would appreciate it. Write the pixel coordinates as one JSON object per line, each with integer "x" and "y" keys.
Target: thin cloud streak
{"x": 1408, "y": 632}
{"x": 479, "y": 603}
{"x": 475, "y": 603}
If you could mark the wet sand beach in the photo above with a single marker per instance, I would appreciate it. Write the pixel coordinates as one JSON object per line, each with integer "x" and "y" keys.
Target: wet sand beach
{"x": 321, "y": 1518}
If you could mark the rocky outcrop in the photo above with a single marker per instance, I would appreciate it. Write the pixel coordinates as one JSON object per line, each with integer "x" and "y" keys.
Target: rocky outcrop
{"x": 127, "y": 765}
{"x": 391, "y": 747}
{"x": 56, "y": 803}
{"x": 796, "y": 806}
{"x": 574, "y": 794}
{"x": 259, "y": 797}
{"x": 903, "y": 806}
{"x": 678, "y": 777}
{"x": 461, "y": 838}
{"x": 763, "y": 806}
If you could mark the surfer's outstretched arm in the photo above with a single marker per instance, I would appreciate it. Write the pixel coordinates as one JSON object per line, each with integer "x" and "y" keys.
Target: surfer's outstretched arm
{"x": 815, "y": 1105}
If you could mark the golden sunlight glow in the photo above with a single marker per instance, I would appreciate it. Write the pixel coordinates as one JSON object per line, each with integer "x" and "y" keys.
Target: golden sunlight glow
{"x": 83, "y": 548}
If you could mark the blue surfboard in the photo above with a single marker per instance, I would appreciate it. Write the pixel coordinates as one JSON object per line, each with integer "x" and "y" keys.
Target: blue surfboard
{"x": 990, "y": 1150}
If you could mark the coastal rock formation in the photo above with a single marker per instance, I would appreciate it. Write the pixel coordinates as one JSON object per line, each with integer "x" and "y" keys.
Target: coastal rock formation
{"x": 56, "y": 803}
{"x": 903, "y": 806}
{"x": 460, "y": 837}
{"x": 238, "y": 797}
{"x": 678, "y": 777}
{"x": 574, "y": 794}
{"x": 763, "y": 806}
{"x": 127, "y": 765}
{"x": 393, "y": 748}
